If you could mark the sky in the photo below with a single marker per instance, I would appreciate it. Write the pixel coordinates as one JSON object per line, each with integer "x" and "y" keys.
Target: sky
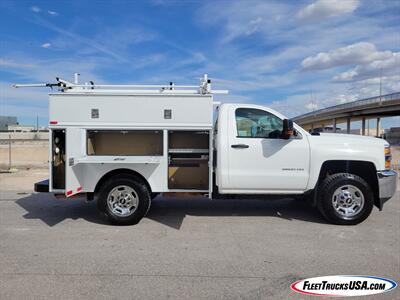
{"x": 293, "y": 56}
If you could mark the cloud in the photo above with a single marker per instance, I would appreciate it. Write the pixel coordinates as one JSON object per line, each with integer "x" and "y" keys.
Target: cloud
{"x": 52, "y": 12}
{"x": 35, "y": 9}
{"x": 359, "y": 53}
{"x": 98, "y": 46}
{"x": 389, "y": 65}
{"x": 343, "y": 98}
{"x": 113, "y": 42}
{"x": 8, "y": 63}
{"x": 23, "y": 102}
{"x": 253, "y": 48}
{"x": 30, "y": 69}
{"x": 46, "y": 45}
{"x": 323, "y": 9}
{"x": 239, "y": 19}
{"x": 311, "y": 106}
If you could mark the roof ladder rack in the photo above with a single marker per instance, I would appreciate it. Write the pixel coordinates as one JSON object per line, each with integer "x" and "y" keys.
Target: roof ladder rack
{"x": 68, "y": 87}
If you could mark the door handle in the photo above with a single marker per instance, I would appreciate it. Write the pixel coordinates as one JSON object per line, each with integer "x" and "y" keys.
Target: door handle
{"x": 240, "y": 146}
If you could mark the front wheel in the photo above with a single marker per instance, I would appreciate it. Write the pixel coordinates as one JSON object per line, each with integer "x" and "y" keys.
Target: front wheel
{"x": 345, "y": 199}
{"x": 124, "y": 199}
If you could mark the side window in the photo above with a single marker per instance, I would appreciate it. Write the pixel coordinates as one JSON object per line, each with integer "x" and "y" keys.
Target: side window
{"x": 257, "y": 123}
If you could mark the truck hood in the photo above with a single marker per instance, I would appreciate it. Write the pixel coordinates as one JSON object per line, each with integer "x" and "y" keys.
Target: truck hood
{"x": 337, "y": 146}
{"x": 349, "y": 138}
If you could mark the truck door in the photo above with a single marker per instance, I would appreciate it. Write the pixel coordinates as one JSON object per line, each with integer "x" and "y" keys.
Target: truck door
{"x": 259, "y": 160}
{"x": 74, "y": 150}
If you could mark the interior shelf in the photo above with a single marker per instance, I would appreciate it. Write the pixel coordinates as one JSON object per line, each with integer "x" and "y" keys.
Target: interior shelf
{"x": 183, "y": 150}
{"x": 188, "y": 158}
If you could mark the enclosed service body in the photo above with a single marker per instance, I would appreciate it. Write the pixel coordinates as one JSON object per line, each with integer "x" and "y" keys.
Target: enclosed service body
{"x": 167, "y": 139}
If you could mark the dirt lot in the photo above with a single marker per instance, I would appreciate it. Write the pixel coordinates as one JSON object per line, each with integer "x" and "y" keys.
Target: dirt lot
{"x": 29, "y": 154}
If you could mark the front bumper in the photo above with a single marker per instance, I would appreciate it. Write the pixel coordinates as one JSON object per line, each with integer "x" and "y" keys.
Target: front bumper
{"x": 387, "y": 181}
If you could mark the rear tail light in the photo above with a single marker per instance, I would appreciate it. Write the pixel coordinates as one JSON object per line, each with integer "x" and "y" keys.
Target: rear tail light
{"x": 388, "y": 157}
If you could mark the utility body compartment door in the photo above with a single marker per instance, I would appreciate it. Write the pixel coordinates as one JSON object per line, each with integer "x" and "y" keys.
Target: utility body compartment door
{"x": 259, "y": 161}
{"x": 75, "y": 147}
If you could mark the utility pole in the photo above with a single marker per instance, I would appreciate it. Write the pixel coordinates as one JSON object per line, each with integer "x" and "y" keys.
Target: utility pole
{"x": 37, "y": 123}
{"x": 380, "y": 86}
{"x": 312, "y": 100}
{"x": 9, "y": 152}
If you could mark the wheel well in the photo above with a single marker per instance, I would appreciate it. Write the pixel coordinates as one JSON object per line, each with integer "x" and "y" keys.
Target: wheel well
{"x": 364, "y": 169}
{"x": 115, "y": 172}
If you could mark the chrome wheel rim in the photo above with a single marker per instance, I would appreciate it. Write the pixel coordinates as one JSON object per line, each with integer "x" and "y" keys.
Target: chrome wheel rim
{"x": 123, "y": 201}
{"x": 348, "y": 201}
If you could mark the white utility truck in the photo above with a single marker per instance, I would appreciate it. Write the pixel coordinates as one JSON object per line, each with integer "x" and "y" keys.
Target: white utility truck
{"x": 124, "y": 144}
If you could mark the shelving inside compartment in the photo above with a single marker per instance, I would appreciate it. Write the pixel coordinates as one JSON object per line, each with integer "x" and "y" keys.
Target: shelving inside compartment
{"x": 125, "y": 142}
{"x": 58, "y": 158}
{"x": 188, "y": 140}
{"x": 188, "y": 160}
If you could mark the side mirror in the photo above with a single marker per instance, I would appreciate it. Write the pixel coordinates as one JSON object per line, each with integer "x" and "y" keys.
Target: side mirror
{"x": 288, "y": 129}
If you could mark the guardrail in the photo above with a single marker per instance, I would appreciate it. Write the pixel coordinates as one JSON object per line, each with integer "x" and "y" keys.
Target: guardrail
{"x": 372, "y": 100}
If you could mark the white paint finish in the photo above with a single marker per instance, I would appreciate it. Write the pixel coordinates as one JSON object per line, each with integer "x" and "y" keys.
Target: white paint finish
{"x": 221, "y": 144}
{"x": 50, "y": 160}
{"x": 109, "y": 159}
{"x": 267, "y": 165}
{"x": 164, "y": 179}
{"x": 74, "y": 139}
{"x": 155, "y": 174}
{"x": 210, "y": 162}
{"x": 336, "y": 146}
{"x": 256, "y": 170}
{"x": 228, "y": 191}
{"x": 142, "y": 110}
{"x": 248, "y": 171}
{"x": 88, "y": 170}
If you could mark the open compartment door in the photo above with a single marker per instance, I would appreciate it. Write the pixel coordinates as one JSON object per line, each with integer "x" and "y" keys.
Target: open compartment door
{"x": 74, "y": 140}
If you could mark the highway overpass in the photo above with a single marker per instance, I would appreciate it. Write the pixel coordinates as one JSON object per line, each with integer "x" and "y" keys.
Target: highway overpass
{"x": 360, "y": 110}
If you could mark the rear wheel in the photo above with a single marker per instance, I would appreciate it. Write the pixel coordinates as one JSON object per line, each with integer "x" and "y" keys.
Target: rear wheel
{"x": 124, "y": 199}
{"x": 345, "y": 199}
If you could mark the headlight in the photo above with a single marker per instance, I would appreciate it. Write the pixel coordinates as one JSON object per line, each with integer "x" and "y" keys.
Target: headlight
{"x": 388, "y": 157}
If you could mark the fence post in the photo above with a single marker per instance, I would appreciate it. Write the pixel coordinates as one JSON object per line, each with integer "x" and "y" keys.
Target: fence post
{"x": 9, "y": 152}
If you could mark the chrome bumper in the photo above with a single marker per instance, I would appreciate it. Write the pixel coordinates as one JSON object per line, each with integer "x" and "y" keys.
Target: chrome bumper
{"x": 387, "y": 181}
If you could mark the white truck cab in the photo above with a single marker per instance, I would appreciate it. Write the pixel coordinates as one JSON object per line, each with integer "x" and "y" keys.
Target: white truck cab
{"x": 122, "y": 145}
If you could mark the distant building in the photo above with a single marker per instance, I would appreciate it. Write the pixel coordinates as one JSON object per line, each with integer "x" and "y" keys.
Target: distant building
{"x": 368, "y": 131}
{"x": 325, "y": 129}
{"x": 20, "y": 128}
{"x": 392, "y": 135}
{"x": 6, "y": 121}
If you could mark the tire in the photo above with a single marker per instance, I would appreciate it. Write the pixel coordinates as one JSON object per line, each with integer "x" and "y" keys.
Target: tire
{"x": 345, "y": 199}
{"x": 153, "y": 195}
{"x": 124, "y": 199}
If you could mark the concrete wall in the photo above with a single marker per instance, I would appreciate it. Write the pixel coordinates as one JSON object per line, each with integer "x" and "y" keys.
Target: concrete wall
{"x": 24, "y": 136}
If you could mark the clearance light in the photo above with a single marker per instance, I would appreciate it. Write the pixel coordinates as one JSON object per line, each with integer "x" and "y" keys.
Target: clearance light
{"x": 388, "y": 157}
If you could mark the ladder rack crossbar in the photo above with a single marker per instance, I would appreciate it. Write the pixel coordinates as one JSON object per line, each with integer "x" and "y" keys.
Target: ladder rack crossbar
{"x": 133, "y": 86}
